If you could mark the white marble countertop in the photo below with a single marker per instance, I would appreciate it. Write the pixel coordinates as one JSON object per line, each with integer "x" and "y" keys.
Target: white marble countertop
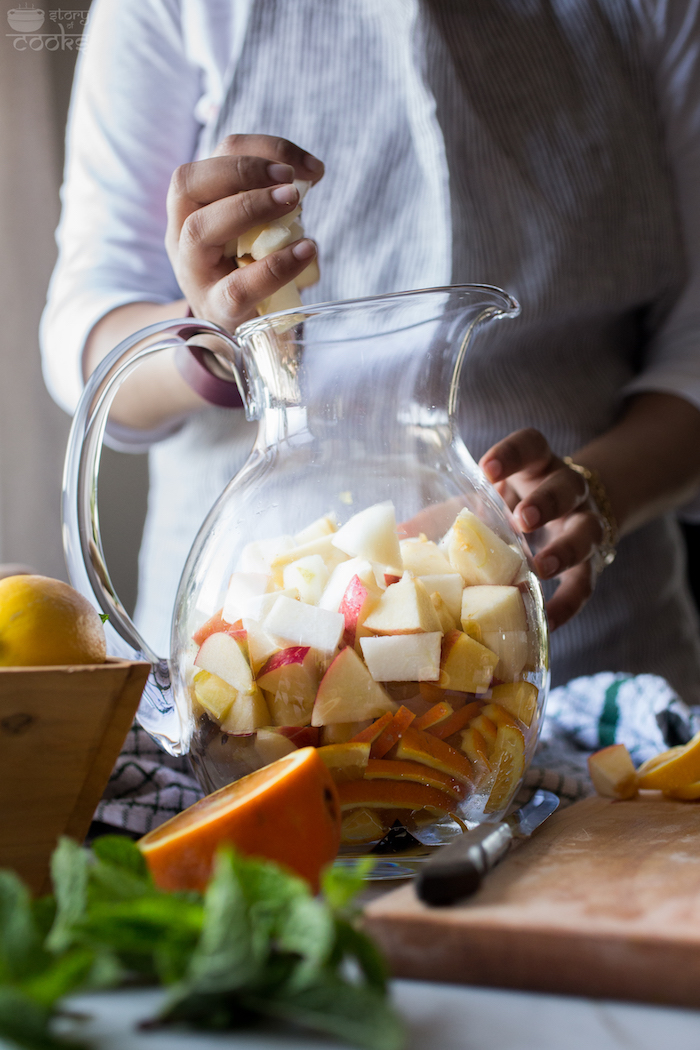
{"x": 437, "y": 1016}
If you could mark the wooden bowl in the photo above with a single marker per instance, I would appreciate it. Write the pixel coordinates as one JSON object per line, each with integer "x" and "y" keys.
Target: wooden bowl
{"x": 61, "y": 730}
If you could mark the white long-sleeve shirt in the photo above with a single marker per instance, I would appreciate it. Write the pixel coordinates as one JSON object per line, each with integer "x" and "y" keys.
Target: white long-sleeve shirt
{"x": 550, "y": 148}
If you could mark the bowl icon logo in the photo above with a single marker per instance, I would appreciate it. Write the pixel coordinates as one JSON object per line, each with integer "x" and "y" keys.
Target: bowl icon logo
{"x": 25, "y": 19}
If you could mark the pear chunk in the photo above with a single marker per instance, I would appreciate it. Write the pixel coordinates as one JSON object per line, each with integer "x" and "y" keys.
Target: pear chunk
{"x": 404, "y": 608}
{"x": 478, "y": 554}
{"x": 371, "y": 534}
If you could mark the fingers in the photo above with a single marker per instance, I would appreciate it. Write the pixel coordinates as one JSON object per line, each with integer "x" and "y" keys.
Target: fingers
{"x": 223, "y": 220}
{"x": 237, "y": 294}
{"x": 575, "y": 588}
{"x": 524, "y": 451}
{"x": 575, "y": 542}
{"x": 558, "y": 494}
{"x": 277, "y": 150}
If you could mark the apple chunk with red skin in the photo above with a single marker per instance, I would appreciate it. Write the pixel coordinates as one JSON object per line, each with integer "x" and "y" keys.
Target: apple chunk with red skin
{"x": 290, "y": 681}
{"x": 356, "y": 605}
{"x": 348, "y": 693}
{"x": 404, "y": 608}
{"x": 220, "y": 654}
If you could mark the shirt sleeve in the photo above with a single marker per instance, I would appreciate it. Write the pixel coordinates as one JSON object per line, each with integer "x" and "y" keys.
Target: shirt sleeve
{"x": 672, "y": 39}
{"x": 132, "y": 122}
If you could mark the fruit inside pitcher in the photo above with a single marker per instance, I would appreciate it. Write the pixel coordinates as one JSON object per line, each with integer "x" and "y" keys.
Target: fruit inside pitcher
{"x": 412, "y": 665}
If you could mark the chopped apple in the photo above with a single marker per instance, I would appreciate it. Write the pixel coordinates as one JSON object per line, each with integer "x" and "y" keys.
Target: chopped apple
{"x": 242, "y": 587}
{"x": 508, "y": 760}
{"x": 308, "y": 575}
{"x": 361, "y": 825}
{"x": 612, "y": 772}
{"x": 300, "y": 624}
{"x": 465, "y": 664}
{"x": 257, "y": 556}
{"x": 356, "y": 605}
{"x": 247, "y": 713}
{"x": 478, "y": 554}
{"x": 257, "y": 608}
{"x": 422, "y": 557}
{"x": 311, "y": 275}
{"x": 260, "y": 645}
{"x": 347, "y": 692}
{"x": 271, "y": 745}
{"x": 494, "y": 608}
{"x": 512, "y": 649}
{"x": 222, "y": 656}
{"x": 321, "y": 527}
{"x": 345, "y": 732}
{"x": 402, "y": 657}
{"x": 404, "y": 608}
{"x": 322, "y": 545}
{"x": 449, "y": 586}
{"x": 417, "y": 746}
{"x": 520, "y": 698}
{"x": 345, "y": 761}
{"x": 447, "y": 620}
{"x": 290, "y": 680}
{"x": 340, "y": 578}
{"x": 213, "y": 694}
{"x": 215, "y": 624}
{"x": 371, "y": 534}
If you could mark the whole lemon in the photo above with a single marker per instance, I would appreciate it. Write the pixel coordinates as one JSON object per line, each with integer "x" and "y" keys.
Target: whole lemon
{"x": 45, "y": 622}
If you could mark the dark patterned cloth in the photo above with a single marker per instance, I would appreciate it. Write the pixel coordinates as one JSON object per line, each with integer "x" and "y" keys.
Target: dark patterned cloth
{"x": 147, "y": 787}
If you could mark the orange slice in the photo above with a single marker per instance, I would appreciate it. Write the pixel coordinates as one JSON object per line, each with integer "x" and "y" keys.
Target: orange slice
{"x": 393, "y": 732}
{"x": 689, "y": 793}
{"x": 287, "y": 812}
{"x": 370, "y": 734}
{"x": 680, "y": 768}
{"x": 455, "y": 722}
{"x": 437, "y": 713}
{"x": 509, "y": 760}
{"x": 393, "y": 794}
{"x": 417, "y": 746}
{"x": 345, "y": 761}
{"x": 392, "y": 769}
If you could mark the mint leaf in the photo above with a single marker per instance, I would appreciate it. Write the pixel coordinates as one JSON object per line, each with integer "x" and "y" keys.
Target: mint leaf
{"x": 342, "y": 882}
{"x": 69, "y": 872}
{"x": 352, "y": 944}
{"x": 25, "y": 1023}
{"x": 307, "y": 930}
{"x": 20, "y": 950}
{"x": 122, "y": 853}
{"x": 104, "y": 617}
{"x": 358, "y": 1015}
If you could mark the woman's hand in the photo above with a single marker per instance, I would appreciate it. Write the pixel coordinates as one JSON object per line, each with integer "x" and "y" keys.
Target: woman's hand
{"x": 210, "y": 202}
{"x": 542, "y": 491}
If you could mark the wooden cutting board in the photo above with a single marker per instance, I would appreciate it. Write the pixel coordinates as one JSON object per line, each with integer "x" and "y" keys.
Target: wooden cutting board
{"x": 603, "y": 901}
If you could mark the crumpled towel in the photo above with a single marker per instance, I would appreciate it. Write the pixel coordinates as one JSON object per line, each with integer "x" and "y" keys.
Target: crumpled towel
{"x": 147, "y": 787}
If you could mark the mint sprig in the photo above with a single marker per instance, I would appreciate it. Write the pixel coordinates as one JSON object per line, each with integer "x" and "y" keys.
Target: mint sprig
{"x": 256, "y": 944}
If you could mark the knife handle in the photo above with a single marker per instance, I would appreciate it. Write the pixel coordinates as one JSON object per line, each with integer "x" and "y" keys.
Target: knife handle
{"x": 456, "y": 870}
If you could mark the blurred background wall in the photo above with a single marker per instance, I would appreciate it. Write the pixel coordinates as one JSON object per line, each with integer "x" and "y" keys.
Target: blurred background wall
{"x": 35, "y": 89}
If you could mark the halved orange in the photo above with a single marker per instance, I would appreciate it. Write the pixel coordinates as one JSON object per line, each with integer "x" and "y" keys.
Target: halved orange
{"x": 287, "y": 812}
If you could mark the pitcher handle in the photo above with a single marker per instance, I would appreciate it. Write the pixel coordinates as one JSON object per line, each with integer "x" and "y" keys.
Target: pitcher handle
{"x": 82, "y": 542}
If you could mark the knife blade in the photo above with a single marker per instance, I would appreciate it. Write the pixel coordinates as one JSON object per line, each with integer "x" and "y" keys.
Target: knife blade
{"x": 456, "y": 870}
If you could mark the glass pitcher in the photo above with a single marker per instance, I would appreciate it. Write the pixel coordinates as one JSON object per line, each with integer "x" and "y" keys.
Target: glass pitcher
{"x": 359, "y": 586}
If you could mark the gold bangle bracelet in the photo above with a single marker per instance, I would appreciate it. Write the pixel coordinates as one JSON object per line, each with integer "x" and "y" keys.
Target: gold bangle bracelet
{"x": 596, "y": 488}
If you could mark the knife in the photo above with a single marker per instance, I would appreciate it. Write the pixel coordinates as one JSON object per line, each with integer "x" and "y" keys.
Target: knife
{"x": 456, "y": 870}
